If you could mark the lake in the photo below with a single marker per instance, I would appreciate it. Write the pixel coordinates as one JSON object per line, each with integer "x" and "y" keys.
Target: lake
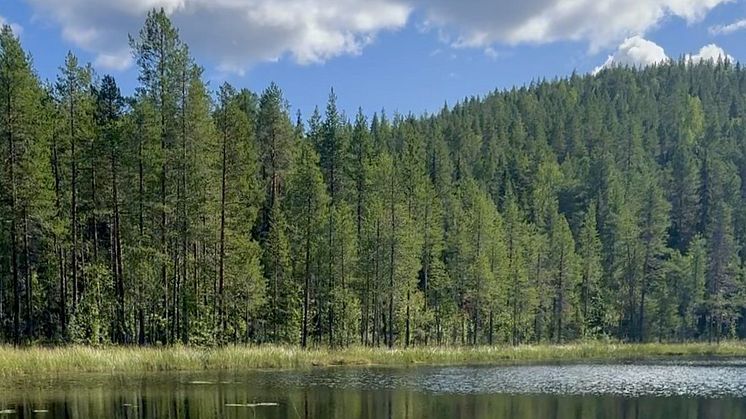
{"x": 670, "y": 390}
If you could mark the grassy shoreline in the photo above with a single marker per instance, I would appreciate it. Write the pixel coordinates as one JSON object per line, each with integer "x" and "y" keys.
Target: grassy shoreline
{"x": 48, "y": 362}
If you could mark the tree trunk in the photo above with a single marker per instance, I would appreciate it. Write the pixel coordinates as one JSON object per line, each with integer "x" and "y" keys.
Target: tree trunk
{"x": 391, "y": 268}
{"x": 221, "y": 274}
{"x": 407, "y": 321}
{"x": 27, "y": 275}
{"x": 491, "y": 334}
{"x": 377, "y": 275}
{"x": 74, "y": 203}
{"x": 164, "y": 252}
{"x": 94, "y": 220}
{"x": 141, "y": 225}
{"x": 117, "y": 271}
{"x": 307, "y": 277}
{"x": 14, "y": 232}
{"x": 643, "y": 291}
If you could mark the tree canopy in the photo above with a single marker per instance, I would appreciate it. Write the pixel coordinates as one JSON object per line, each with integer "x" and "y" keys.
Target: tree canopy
{"x": 592, "y": 206}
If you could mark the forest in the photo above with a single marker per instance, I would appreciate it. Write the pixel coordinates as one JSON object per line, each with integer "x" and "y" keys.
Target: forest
{"x": 605, "y": 206}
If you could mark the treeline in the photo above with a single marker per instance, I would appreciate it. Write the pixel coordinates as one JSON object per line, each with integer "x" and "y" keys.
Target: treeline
{"x": 607, "y": 206}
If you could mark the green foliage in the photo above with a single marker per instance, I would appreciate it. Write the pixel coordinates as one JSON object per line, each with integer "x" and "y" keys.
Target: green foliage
{"x": 601, "y": 206}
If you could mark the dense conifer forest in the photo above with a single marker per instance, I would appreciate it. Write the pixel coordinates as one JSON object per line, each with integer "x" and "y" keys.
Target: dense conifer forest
{"x": 606, "y": 206}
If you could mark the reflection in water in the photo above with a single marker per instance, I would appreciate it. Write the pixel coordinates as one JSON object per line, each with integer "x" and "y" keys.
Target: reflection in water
{"x": 559, "y": 392}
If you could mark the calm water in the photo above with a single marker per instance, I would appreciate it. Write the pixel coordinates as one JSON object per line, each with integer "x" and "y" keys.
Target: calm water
{"x": 650, "y": 391}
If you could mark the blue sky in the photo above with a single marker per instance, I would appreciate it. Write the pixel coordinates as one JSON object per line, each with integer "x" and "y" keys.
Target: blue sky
{"x": 401, "y": 55}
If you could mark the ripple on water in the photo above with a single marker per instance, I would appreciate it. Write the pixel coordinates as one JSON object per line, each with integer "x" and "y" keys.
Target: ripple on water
{"x": 696, "y": 379}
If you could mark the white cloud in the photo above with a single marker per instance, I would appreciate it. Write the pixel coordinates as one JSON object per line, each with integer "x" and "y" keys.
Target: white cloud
{"x": 709, "y": 52}
{"x": 491, "y": 53}
{"x": 600, "y": 23}
{"x": 119, "y": 61}
{"x": 234, "y": 33}
{"x": 639, "y": 52}
{"x": 17, "y": 29}
{"x": 728, "y": 29}
{"x": 635, "y": 51}
{"x": 238, "y": 33}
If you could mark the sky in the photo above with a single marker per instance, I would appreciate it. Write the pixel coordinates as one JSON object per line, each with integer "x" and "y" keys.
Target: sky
{"x": 398, "y": 55}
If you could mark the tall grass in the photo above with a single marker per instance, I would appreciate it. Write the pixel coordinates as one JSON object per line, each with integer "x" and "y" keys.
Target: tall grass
{"x": 47, "y": 362}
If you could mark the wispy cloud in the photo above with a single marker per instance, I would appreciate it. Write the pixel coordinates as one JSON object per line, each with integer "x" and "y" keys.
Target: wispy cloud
{"x": 728, "y": 29}
{"x": 491, "y": 53}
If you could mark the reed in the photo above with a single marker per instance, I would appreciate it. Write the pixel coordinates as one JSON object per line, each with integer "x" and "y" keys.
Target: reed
{"x": 50, "y": 362}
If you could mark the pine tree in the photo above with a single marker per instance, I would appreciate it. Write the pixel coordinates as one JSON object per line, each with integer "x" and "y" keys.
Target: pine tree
{"x": 109, "y": 110}
{"x": 592, "y": 310}
{"x": 722, "y": 274}
{"x": 653, "y": 226}
{"x": 75, "y": 102}
{"x": 306, "y": 205}
{"x": 563, "y": 267}
{"x": 282, "y": 297}
{"x": 519, "y": 293}
{"x": 26, "y": 188}
{"x": 241, "y": 287}
{"x": 685, "y": 176}
{"x": 275, "y": 139}
{"x": 161, "y": 58}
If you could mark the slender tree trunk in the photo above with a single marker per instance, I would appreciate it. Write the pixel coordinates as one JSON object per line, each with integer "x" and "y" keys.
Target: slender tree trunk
{"x": 275, "y": 296}
{"x": 344, "y": 291}
{"x": 57, "y": 245}
{"x": 514, "y": 302}
{"x": 13, "y": 226}
{"x": 330, "y": 301}
{"x": 359, "y": 227}
{"x": 377, "y": 304}
{"x": 408, "y": 320}
{"x": 478, "y": 305}
{"x": 27, "y": 275}
{"x": 175, "y": 294}
{"x": 14, "y": 270}
{"x": 141, "y": 225}
{"x": 584, "y": 296}
{"x": 492, "y": 330}
{"x": 643, "y": 291}
{"x": 185, "y": 224}
{"x": 561, "y": 297}
{"x": 163, "y": 175}
{"x": 74, "y": 203}
{"x": 221, "y": 274}
{"x": 307, "y": 276}
{"x": 426, "y": 269}
{"x": 392, "y": 268}
{"x": 117, "y": 250}
{"x": 94, "y": 209}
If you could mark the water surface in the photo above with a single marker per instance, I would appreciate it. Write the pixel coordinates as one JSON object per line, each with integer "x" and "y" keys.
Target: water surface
{"x": 686, "y": 390}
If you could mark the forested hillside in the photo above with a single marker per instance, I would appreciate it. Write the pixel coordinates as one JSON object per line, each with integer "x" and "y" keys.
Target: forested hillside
{"x": 605, "y": 206}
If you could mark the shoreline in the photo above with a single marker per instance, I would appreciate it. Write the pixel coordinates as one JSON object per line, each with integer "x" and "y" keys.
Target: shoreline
{"x": 46, "y": 362}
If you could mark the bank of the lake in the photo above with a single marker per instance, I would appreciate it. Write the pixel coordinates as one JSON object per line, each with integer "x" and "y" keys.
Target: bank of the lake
{"x": 43, "y": 361}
